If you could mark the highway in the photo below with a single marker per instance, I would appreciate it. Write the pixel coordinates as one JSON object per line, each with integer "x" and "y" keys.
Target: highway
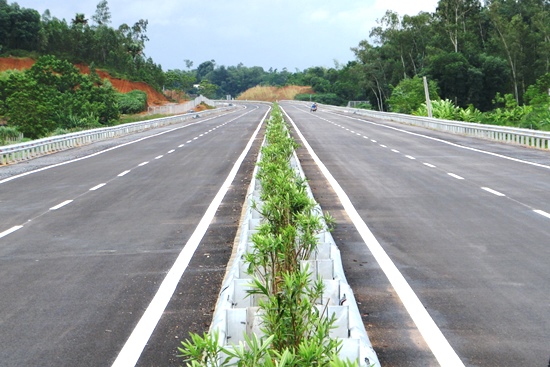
{"x": 85, "y": 244}
{"x": 465, "y": 222}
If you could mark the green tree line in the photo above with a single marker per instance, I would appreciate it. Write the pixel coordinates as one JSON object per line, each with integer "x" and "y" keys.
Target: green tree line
{"x": 485, "y": 62}
{"x": 24, "y": 32}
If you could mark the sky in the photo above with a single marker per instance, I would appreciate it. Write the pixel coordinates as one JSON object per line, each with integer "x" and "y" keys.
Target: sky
{"x": 291, "y": 34}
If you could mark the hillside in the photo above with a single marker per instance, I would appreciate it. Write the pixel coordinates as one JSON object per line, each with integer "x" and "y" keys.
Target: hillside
{"x": 272, "y": 94}
{"x": 153, "y": 97}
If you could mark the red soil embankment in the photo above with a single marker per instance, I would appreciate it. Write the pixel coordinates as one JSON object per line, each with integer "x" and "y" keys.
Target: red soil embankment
{"x": 124, "y": 86}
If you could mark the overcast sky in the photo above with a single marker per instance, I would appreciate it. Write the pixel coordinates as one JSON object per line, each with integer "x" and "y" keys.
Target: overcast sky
{"x": 295, "y": 34}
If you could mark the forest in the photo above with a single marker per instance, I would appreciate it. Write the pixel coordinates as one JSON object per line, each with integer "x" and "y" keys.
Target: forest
{"x": 485, "y": 62}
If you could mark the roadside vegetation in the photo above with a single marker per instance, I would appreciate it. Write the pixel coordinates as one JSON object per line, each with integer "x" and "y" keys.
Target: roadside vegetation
{"x": 485, "y": 62}
{"x": 295, "y": 331}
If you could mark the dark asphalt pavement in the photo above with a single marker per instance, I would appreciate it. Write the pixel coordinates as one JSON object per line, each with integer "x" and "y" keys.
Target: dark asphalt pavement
{"x": 75, "y": 279}
{"x": 466, "y": 229}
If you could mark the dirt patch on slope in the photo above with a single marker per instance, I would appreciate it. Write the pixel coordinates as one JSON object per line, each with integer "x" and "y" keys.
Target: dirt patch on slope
{"x": 124, "y": 86}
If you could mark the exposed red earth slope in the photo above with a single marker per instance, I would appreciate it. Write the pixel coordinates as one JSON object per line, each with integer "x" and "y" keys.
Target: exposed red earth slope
{"x": 124, "y": 86}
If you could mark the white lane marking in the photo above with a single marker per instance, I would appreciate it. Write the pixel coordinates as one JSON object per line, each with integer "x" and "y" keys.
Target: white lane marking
{"x": 543, "y": 213}
{"x": 447, "y": 142}
{"x": 112, "y": 148}
{"x": 494, "y": 192}
{"x": 189, "y": 141}
{"x": 201, "y": 135}
{"x": 429, "y": 165}
{"x": 171, "y": 151}
{"x": 195, "y": 138}
{"x": 143, "y": 164}
{"x": 366, "y": 137}
{"x": 159, "y": 157}
{"x": 123, "y": 173}
{"x": 440, "y": 347}
{"x": 98, "y": 186}
{"x": 351, "y": 131}
{"x": 181, "y": 145}
{"x": 410, "y": 157}
{"x": 395, "y": 150}
{"x": 58, "y": 206}
{"x": 455, "y": 176}
{"x": 374, "y": 141}
{"x": 132, "y": 349}
{"x": 9, "y": 231}
{"x": 383, "y": 146}
{"x": 357, "y": 134}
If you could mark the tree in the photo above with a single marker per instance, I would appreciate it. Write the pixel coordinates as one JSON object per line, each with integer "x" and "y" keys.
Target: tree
{"x": 102, "y": 14}
{"x": 409, "y": 95}
{"x": 207, "y": 89}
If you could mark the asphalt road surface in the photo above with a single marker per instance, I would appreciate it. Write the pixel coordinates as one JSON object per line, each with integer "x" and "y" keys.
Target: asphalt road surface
{"x": 85, "y": 245}
{"x": 465, "y": 221}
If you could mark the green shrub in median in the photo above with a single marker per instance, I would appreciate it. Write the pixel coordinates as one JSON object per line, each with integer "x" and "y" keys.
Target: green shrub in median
{"x": 294, "y": 322}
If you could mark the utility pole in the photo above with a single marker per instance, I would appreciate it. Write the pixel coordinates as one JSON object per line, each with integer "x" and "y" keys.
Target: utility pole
{"x": 428, "y": 101}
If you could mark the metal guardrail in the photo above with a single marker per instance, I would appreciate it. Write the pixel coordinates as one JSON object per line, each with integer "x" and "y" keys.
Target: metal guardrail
{"x": 25, "y": 151}
{"x": 526, "y": 137}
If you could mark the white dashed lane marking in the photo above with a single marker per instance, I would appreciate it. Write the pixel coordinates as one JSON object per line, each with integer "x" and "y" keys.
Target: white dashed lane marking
{"x": 455, "y": 176}
{"x": 429, "y": 165}
{"x": 123, "y": 173}
{"x": 494, "y": 192}
{"x": 98, "y": 186}
{"x": 9, "y": 231}
{"x": 143, "y": 164}
{"x": 59, "y": 206}
{"x": 543, "y": 213}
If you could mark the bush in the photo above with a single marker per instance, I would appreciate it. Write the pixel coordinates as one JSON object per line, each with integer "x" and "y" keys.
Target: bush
{"x": 8, "y": 133}
{"x": 443, "y": 109}
{"x": 132, "y": 102}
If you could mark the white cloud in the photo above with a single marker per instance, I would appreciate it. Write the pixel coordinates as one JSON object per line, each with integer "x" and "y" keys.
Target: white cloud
{"x": 277, "y": 33}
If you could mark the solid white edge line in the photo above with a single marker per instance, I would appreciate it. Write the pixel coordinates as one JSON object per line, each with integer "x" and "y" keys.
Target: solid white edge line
{"x": 543, "y": 213}
{"x": 58, "y": 206}
{"x": 98, "y": 186}
{"x": 9, "y": 231}
{"x": 132, "y": 349}
{"x": 438, "y": 344}
{"x": 494, "y": 192}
